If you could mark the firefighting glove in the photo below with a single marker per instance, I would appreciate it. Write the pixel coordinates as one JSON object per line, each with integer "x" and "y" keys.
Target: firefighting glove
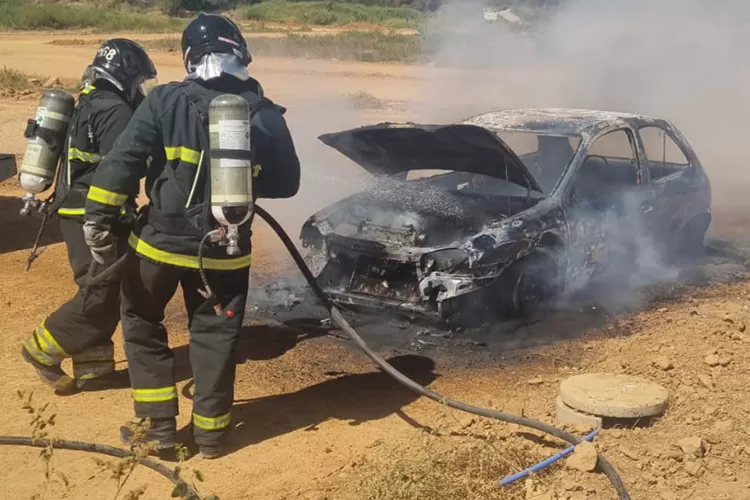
{"x": 100, "y": 243}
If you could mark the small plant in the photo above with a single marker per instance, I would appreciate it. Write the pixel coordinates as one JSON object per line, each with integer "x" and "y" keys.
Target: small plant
{"x": 121, "y": 470}
{"x": 40, "y": 425}
{"x": 182, "y": 490}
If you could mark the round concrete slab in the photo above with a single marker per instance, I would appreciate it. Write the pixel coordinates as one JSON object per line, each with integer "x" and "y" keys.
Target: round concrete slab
{"x": 612, "y": 395}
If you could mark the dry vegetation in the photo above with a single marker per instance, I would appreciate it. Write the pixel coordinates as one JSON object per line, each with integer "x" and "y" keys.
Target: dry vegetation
{"x": 331, "y": 13}
{"x": 168, "y": 15}
{"x": 370, "y": 46}
{"x": 449, "y": 467}
{"x": 18, "y": 83}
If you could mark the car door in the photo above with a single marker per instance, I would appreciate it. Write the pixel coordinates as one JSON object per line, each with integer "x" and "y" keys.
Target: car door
{"x": 605, "y": 204}
{"x": 669, "y": 170}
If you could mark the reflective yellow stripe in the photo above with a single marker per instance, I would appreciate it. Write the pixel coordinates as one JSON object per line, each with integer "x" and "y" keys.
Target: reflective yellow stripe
{"x": 189, "y": 261}
{"x": 182, "y": 153}
{"x": 87, "y": 89}
{"x": 77, "y": 154}
{"x": 155, "y": 395}
{"x": 43, "y": 347}
{"x": 256, "y": 169}
{"x": 78, "y": 211}
{"x": 48, "y": 342}
{"x": 32, "y": 348}
{"x": 105, "y": 197}
{"x": 71, "y": 211}
{"x": 211, "y": 423}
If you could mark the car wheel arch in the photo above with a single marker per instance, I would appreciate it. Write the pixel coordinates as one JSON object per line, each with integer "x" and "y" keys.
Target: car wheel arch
{"x": 692, "y": 233}
{"x": 506, "y": 282}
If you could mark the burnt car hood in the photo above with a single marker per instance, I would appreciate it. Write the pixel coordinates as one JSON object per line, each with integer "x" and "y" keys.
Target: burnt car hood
{"x": 394, "y": 213}
{"x": 387, "y": 149}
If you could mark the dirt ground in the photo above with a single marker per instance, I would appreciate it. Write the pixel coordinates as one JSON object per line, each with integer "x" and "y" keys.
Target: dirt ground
{"x": 313, "y": 419}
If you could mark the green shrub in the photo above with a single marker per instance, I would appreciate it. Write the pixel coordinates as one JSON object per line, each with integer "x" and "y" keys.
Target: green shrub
{"x": 370, "y": 46}
{"x": 18, "y": 15}
{"x": 330, "y": 13}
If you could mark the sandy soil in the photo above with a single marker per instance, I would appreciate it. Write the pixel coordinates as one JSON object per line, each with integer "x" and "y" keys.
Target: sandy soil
{"x": 311, "y": 413}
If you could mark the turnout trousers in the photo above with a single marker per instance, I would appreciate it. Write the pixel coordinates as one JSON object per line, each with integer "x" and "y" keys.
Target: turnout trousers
{"x": 82, "y": 328}
{"x": 147, "y": 288}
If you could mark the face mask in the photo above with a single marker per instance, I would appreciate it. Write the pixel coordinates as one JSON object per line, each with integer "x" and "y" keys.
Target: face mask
{"x": 214, "y": 65}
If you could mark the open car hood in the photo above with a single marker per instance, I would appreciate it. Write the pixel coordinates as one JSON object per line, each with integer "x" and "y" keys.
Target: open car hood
{"x": 388, "y": 148}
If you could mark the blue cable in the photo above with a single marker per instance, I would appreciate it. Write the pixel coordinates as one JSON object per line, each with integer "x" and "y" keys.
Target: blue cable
{"x": 545, "y": 463}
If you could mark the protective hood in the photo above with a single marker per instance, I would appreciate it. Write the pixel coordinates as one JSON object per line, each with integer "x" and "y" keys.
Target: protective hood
{"x": 214, "y": 65}
{"x": 134, "y": 94}
{"x": 387, "y": 149}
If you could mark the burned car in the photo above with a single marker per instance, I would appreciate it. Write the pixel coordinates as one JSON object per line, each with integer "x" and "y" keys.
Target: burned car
{"x": 505, "y": 210}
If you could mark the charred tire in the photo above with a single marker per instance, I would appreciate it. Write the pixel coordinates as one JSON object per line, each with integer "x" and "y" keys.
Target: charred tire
{"x": 526, "y": 286}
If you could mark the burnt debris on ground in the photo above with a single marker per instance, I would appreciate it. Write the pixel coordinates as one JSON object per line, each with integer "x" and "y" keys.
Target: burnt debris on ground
{"x": 288, "y": 308}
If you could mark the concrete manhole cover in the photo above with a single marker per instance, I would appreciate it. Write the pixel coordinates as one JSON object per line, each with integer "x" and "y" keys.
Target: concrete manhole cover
{"x": 615, "y": 396}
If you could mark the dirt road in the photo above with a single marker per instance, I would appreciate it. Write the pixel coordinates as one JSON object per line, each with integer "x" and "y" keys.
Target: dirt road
{"x": 313, "y": 419}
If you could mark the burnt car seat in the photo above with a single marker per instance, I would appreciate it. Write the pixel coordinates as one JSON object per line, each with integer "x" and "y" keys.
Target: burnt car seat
{"x": 592, "y": 180}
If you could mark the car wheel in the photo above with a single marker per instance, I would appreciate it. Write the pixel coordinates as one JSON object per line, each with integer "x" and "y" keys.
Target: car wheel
{"x": 526, "y": 287}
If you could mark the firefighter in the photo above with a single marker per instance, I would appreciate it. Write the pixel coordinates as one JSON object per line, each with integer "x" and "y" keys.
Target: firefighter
{"x": 82, "y": 328}
{"x": 171, "y": 127}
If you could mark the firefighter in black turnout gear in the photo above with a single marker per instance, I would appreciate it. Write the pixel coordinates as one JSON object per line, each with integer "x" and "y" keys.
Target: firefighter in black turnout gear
{"x": 82, "y": 328}
{"x": 171, "y": 127}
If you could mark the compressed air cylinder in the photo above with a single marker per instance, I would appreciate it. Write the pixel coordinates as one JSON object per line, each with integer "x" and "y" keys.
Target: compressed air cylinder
{"x": 231, "y": 160}
{"x": 43, "y": 150}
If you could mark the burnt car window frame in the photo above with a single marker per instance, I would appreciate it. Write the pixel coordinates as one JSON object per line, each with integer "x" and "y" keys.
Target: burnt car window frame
{"x": 668, "y": 132}
{"x": 585, "y": 151}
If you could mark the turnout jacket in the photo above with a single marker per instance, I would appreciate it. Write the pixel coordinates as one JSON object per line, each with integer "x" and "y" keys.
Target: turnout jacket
{"x": 166, "y": 142}
{"x": 99, "y": 117}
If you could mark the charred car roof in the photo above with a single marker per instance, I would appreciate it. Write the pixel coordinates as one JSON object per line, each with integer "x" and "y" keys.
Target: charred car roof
{"x": 389, "y": 148}
{"x": 554, "y": 121}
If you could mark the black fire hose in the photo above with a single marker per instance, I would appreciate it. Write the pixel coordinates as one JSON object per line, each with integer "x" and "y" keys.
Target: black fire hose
{"x": 338, "y": 318}
{"x": 102, "y": 450}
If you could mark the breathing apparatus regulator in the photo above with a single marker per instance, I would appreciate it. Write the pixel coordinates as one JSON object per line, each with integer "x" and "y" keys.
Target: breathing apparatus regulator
{"x": 230, "y": 176}
{"x": 46, "y": 135}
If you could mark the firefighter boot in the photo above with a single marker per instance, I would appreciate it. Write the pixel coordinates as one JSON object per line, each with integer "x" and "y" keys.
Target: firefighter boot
{"x": 211, "y": 451}
{"x": 162, "y": 431}
{"x": 51, "y": 374}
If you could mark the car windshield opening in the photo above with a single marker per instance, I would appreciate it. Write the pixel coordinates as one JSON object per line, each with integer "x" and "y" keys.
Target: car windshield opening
{"x": 546, "y": 157}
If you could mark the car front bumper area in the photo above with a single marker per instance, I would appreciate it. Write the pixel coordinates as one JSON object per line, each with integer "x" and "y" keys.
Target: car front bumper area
{"x": 440, "y": 296}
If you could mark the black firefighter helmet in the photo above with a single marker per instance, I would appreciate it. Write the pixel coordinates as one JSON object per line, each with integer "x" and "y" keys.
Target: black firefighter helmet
{"x": 213, "y": 34}
{"x": 124, "y": 63}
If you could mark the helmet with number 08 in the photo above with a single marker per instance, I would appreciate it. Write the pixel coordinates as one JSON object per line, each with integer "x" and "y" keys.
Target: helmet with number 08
{"x": 124, "y": 64}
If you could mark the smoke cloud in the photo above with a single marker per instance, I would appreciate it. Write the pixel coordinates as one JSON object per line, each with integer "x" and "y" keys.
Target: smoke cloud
{"x": 685, "y": 60}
